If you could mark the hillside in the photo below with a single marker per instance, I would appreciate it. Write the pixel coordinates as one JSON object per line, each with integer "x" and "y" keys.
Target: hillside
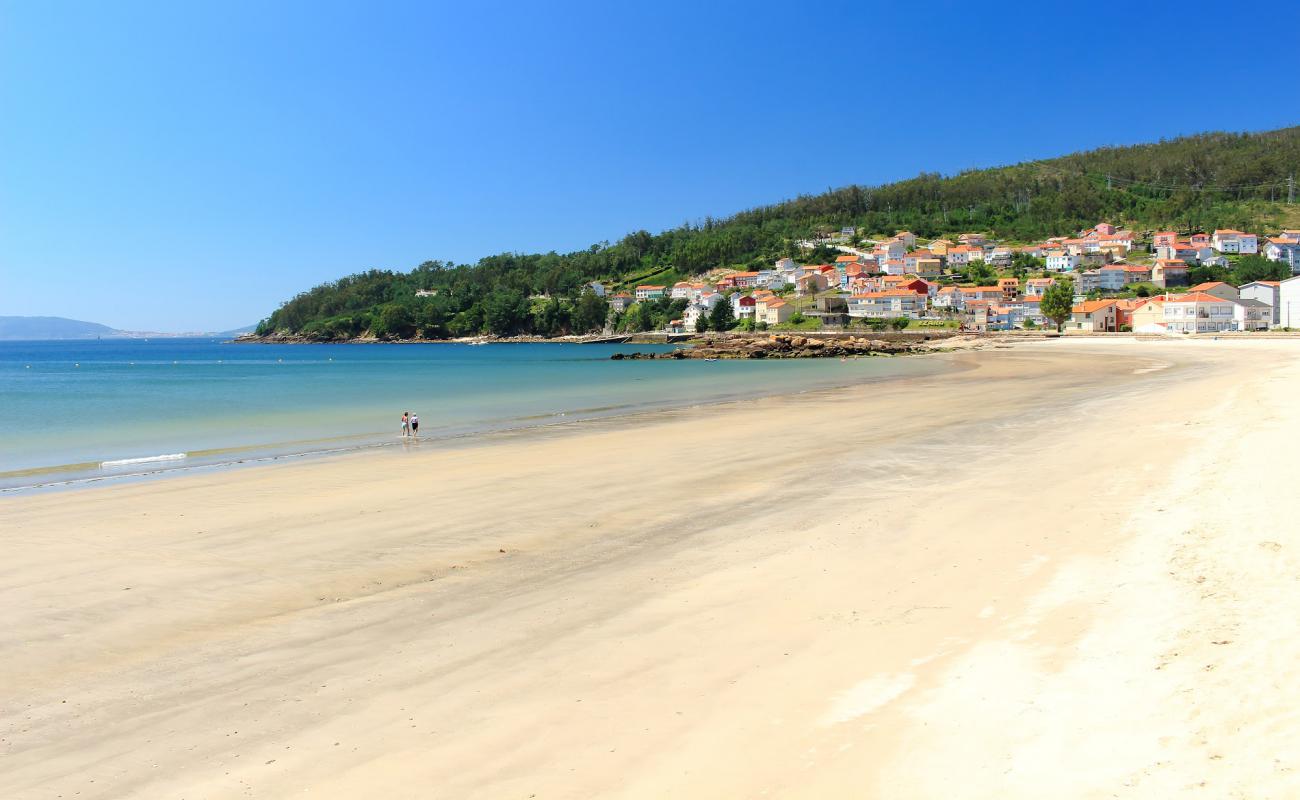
{"x": 1193, "y": 183}
{"x": 13, "y": 328}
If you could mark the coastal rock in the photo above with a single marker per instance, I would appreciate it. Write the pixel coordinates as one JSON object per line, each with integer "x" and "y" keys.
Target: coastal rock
{"x": 784, "y": 346}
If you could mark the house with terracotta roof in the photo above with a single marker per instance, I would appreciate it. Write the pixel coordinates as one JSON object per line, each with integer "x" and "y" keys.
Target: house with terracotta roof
{"x": 1169, "y": 273}
{"x": 1148, "y": 315}
{"x": 649, "y": 291}
{"x": 847, "y": 258}
{"x": 620, "y": 301}
{"x": 939, "y": 246}
{"x": 1183, "y": 251}
{"x": 1198, "y": 312}
{"x": 742, "y": 305}
{"x": 1135, "y": 273}
{"x": 1104, "y": 229}
{"x": 972, "y": 239}
{"x": 1265, "y": 292}
{"x": 963, "y": 254}
{"x": 906, "y": 237}
{"x": 776, "y": 311}
{"x": 811, "y": 283}
{"x": 1097, "y": 316}
{"x": 928, "y": 265}
{"x": 681, "y": 290}
{"x": 989, "y": 317}
{"x": 1285, "y": 250}
{"x": 1228, "y": 240}
{"x": 1030, "y": 309}
{"x": 889, "y": 303}
{"x": 1034, "y": 287}
{"x": 890, "y": 250}
{"x": 1117, "y": 244}
{"x": 948, "y": 297}
{"x": 1218, "y": 289}
{"x": 1163, "y": 238}
{"x": 1010, "y": 289}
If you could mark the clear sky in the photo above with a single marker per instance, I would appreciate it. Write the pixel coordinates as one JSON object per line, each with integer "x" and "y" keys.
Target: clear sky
{"x": 188, "y": 166}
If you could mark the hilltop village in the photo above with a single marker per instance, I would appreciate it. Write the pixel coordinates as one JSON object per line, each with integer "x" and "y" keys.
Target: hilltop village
{"x": 1102, "y": 280}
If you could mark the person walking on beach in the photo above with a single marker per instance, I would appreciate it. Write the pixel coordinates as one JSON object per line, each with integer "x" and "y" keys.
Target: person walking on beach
{"x": 415, "y": 425}
{"x": 406, "y": 424}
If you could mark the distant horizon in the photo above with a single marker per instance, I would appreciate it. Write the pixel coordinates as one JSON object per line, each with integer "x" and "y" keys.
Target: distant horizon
{"x": 175, "y": 167}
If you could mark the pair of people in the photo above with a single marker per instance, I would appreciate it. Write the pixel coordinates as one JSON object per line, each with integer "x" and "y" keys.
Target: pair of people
{"x": 410, "y": 424}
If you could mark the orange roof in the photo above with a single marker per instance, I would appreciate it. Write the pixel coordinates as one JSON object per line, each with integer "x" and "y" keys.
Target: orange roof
{"x": 649, "y": 286}
{"x": 1171, "y": 263}
{"x": 1196, "y": 297}
{"x": 887, "y": 293}
{"x": 844, "y": 258}
{"x": 1091, "y": 306}
{"x": 1200, "y": 287}
{"x": 1231, "y": 232}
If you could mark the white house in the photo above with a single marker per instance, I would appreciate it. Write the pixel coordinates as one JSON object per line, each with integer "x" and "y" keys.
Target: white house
{"x": 649, "y": 292}
{"x": 889, "y": 303}
{"x": 1285, "y": 251}
{"x": 681, "y": 290}
{"x": 1062, "y": 262}
{"x": 1252, "y": 315}
{"x": 1230, "y": 241}
{"x": 1198, "y": 313}
{"x": 1264, "y": 292}
{"x": 1288, "y": 303}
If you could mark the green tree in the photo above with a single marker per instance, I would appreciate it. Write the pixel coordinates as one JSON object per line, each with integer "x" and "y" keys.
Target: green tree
{"x": 721, "y": 318}
{"x": 1257, "y": 268}
{"x": 1057, "y": 302}
{"x": 900, "y": 323}
{"x": 702, "y": 323}
{"x": 394, "y": 321}
{"x": 590, "y": 312}
{"x": 505, "y": 312}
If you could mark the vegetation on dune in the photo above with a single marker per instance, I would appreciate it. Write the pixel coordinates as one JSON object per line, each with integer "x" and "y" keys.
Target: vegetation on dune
{"x": 1192, "y": 183}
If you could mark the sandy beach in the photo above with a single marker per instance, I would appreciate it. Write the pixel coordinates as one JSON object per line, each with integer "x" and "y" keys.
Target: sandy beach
{"x": 1059, "y": 569}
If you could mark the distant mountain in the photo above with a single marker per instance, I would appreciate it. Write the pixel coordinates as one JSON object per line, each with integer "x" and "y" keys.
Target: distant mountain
{"x": 236, "y": 331}
{"x": 52, "y": 328}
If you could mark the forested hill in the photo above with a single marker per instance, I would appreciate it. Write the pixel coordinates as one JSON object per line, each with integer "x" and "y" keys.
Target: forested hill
{"x": 1201, "y": 182}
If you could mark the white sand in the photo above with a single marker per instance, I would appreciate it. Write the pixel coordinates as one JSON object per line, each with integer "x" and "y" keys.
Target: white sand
{"x": 1069, "y": 571}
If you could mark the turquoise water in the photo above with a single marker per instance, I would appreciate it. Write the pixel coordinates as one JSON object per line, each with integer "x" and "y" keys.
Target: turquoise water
{"x": 65, "y": 407}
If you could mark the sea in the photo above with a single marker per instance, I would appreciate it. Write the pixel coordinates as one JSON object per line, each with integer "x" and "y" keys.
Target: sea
{"x": 74, "y": 412}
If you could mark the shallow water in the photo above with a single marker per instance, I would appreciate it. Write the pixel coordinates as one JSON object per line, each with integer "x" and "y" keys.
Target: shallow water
{"x": 68, "y": 406}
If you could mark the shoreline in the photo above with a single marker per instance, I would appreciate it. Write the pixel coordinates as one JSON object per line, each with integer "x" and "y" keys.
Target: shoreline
{"x": 80, "y": 475}
{"x": 974, "y": 587}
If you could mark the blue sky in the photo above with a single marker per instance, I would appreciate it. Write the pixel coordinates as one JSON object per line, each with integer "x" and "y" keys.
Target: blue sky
{"x": 183, "y": 166}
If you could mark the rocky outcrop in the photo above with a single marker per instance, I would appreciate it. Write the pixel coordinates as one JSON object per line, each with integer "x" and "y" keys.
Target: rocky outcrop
{"x": 783, "y": 346}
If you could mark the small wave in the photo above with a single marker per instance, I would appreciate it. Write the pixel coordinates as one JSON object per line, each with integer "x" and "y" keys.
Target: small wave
{"x": 126, "y": 462}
